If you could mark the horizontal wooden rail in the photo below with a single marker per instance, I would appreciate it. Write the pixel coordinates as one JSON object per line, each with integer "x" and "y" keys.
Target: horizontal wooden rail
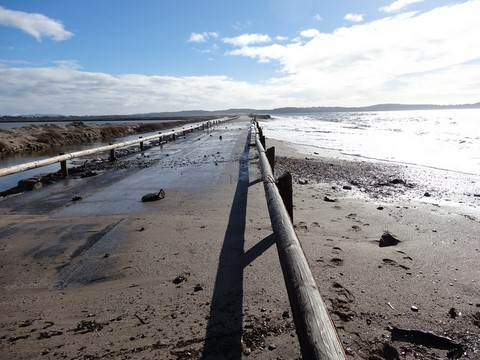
{"x": 316, "y": 333}
{"x": 61, "y": 158}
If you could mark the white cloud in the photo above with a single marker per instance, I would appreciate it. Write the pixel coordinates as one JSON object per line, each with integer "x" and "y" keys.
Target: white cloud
{"x": 354, "y": 17}
{"x": 37, "y": 25}
{"x": 264, "y": 54}
{"x": 248, "y": 39}
{"x": 197, "y": 38}
{"x": 63, "y": 90}
{"x": 318, "y": 17}
{"x": 281, "y": 38}
{"x": 202, "y": 37}
{"x": 398, "y": 5}
{"x": 310, "y": 33}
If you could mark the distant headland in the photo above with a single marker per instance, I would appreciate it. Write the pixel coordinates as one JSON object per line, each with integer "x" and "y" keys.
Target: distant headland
{"x": 186, "y": 114}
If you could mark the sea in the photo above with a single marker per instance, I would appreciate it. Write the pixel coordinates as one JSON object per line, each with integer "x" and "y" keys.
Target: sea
{"x": 441, "y": 139}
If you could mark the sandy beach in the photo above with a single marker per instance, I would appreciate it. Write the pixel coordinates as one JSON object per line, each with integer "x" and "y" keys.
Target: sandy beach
{"x": 196, "y": 274}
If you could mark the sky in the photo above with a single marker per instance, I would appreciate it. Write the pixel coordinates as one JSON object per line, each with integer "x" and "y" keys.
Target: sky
{"x": 90, "y": 57}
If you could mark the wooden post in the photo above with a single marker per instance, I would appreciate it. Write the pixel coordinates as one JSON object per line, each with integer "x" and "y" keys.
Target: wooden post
{"x": 63, "y": 166}
{"x": 260, "y": 131}
{"x": 284, "y": 185}
{"x": 112, "y": 154}
{"x": 271, "y": 158}
{"x": 262, "y": 140}
{"x": 141, "y": 143}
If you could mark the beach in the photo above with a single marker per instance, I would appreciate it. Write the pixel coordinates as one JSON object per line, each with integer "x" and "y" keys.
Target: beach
{"x": 196, "y": 274}
{"x": 343, "y": 207}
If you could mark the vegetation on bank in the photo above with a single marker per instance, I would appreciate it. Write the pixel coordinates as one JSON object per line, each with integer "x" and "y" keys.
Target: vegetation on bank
{"x": 41, "y": 137}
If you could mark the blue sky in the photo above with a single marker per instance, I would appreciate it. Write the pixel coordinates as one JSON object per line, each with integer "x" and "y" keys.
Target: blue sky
{"x": 125, "y": 57}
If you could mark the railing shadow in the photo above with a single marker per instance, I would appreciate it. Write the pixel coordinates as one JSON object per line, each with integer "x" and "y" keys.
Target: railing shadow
{"x": 225, "y": 327}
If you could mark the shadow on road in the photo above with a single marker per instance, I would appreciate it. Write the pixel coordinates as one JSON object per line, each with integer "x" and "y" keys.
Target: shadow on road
{"x": 224, "y": 328}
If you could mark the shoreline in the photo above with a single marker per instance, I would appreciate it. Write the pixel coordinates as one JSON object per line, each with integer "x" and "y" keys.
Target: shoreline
{"x": 409, "y": 182}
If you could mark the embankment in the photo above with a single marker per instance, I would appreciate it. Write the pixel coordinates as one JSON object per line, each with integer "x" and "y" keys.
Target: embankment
{"x": 40, "y": 137}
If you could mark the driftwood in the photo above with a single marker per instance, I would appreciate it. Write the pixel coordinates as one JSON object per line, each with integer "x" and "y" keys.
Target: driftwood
{"x": 428, "y": 339}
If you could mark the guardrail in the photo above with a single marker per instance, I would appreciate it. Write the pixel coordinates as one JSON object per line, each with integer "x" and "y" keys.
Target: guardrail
{"x": 316, "y": 333}
{"x": 62, "y": 158}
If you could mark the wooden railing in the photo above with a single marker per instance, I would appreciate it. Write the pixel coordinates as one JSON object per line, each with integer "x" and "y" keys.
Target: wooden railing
{"x": 316, "y": 333}
{"x": 64, "y": 157}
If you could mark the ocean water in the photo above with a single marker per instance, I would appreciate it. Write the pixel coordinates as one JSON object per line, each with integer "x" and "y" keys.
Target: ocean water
{"x": 442, "y": 139}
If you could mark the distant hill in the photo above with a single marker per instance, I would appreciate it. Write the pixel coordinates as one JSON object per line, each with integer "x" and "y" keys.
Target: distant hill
{"x": 290, "y": 110}
{"x": 378, "y": 107}
{"x": 203, "y": 114}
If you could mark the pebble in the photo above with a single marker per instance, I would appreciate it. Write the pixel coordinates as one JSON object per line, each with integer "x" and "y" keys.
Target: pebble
{"x": 414, "y": 308}
{"x": 198, "y": 287}
{"x": 179, "y": 279}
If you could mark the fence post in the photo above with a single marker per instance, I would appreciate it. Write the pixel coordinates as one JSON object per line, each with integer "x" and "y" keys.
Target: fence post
{"x": 262, "y": 141}
{"x": 284, "y": 185}
{"x": 271, "y": 158}
{"x": 112, "y": 157}
{"x": 63, "y": 166}
{"x": 260, "y": 130}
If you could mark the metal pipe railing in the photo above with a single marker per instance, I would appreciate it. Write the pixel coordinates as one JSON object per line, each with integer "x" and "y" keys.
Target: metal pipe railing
{"x": 316, "y": 333}
{"x": 61, "y": 158}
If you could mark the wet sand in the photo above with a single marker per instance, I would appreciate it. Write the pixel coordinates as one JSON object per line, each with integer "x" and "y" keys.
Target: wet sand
{"x": 197, "y": 274}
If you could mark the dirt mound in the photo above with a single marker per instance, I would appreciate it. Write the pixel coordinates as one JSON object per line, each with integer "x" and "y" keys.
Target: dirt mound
{"x": 41, "y": 137}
